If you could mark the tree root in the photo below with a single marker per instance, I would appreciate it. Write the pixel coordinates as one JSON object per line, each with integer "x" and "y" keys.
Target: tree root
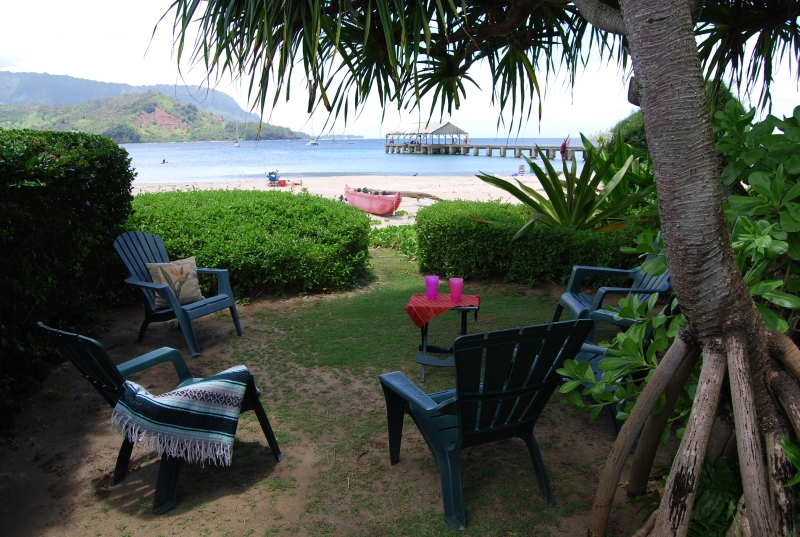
{"x": 785, "y": 351}
{"x": 609, "y": 477}
{"x": 748, "y": 441}
{"x": 787, "y": 392}
{"x": 651, "y": 434}
{"x": 740, "y": 526}
{"x": 721, "y": 433}
{"x": 781, "y": 471}
{"x": 645, "y": 530}
{"x": 678, "y": 499}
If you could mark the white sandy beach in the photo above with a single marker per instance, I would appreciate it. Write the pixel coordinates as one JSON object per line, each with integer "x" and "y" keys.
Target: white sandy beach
{"x": 444, "y": 187}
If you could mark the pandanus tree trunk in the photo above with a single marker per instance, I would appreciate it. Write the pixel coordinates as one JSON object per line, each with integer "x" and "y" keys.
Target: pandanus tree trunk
{"x": 722, "y": 318}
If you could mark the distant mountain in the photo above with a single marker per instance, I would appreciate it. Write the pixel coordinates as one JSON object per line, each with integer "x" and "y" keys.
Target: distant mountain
{"x": 135, "y": 117}
{"x": 36, "y": 88}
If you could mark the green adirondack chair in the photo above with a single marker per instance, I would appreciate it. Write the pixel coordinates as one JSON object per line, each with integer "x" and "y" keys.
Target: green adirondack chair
{"x": 579, "y": 304}
{"x": 503, "y": 382}
{"x": 94, "y": 364}
{"x": 136, "y": 248}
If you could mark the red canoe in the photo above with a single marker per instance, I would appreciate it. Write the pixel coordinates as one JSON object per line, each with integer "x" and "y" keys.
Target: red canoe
{"x": 379, "y": 204}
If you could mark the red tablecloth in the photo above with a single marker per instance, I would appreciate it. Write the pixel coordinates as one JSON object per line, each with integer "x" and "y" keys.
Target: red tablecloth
{"x": 421, "y": 310}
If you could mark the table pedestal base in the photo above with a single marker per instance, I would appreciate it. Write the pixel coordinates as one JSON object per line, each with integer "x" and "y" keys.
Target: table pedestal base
{"x": 429, "y": 359}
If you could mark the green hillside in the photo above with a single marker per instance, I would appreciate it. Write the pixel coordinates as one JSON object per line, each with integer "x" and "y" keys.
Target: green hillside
{"x": 137, "y": 117}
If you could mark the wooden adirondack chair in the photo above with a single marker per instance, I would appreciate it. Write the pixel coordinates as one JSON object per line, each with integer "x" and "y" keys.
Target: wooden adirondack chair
{"x": 96, "y": 366}
{"x": 136, "y": 248}
{"x": 579, "y": 305}
{"x": 503, "y": 382}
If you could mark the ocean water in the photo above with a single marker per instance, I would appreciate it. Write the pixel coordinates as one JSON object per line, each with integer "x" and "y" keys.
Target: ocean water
{"x": 221, "y": 161}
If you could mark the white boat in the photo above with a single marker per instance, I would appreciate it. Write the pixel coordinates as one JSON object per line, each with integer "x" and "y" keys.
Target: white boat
{"x": 313, "y": 141}
{"x": 236, "y": 143}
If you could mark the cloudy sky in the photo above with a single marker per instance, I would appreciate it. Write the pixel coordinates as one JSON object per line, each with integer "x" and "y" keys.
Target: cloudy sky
{"x": 114, "y": 42}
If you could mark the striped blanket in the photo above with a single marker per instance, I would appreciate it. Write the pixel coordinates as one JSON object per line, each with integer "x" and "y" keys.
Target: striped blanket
{"x": 196, "y": 423}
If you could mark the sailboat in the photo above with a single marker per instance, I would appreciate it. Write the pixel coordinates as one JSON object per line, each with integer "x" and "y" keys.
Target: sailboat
{"x": 236, "y": 143}
{"x": 313, "y": 141}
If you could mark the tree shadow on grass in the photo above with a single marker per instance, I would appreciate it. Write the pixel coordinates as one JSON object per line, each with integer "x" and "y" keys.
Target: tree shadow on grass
{"x": 252, "y": 464}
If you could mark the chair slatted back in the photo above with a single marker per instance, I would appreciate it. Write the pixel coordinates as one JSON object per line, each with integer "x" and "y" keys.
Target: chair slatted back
{"x": 136, "y": 248}
{"x": 648, "y": 281}
{"x": 92, "y": 361}
{"x": 504, "y": 380}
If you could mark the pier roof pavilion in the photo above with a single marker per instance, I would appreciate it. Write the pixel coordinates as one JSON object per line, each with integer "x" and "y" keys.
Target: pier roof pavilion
{"x": 427, "y": 133}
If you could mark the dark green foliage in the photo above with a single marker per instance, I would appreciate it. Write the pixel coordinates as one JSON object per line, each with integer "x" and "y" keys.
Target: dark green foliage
{"x": 718, "y": 491}
{"x": 473, "y": 239}
{"x": 269, "y": 241}
{"x": 122, "y": 134}
{"x": 63, "y": 199}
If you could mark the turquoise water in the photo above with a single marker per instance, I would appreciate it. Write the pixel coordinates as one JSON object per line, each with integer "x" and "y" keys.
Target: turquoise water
{"x": 221, "y": 161}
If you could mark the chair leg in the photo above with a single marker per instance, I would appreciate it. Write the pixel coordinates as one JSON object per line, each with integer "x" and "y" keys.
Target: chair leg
{"x": 253, "y": 403}
{"x": 395, "y": 414}
{"x": 142, "y": 330}
{"x": 124, "y": 457}
{"x": 557, "y": 315}
{"x": 167, "y": 484}
{"x": 188, "y": 332}
{"x": 538, "y": 467}
{"x": 452, "y": 496}
{"x": 235, "y": 315}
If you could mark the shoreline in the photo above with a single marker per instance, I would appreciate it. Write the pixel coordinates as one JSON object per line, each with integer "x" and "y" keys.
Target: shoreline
{"x": 444, "y": 187}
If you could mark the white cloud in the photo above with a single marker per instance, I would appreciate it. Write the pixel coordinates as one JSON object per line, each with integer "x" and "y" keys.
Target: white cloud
{"x": 114, "y": 42}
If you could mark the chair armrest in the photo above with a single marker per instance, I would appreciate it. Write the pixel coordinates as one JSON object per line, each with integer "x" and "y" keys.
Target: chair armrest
{"x": 163, "y": 290}
{"x": 146, "y": 285}
{"x": 410, "y": 392}
{"x": 579, "y": 271}
{"x": 223, "y": 280}
{"x": 603, "y": 291}
{"x": 593, "y": 349}
{"x": 158, "y": 356}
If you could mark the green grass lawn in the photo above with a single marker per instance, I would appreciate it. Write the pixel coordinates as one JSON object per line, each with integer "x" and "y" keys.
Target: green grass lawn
{"x": 321, "y": 357}
{"x": 316, "y": 359}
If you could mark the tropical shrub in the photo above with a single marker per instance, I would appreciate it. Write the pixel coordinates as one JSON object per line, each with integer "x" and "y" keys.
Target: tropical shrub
{"x": 269, "y": 241}
{"x": 63, "y": 198}
{"x": 582, "y": 201}
{"x": 766, "y": 222}
{"x": 473, "y": 239}
{"x": 402, "y": 238}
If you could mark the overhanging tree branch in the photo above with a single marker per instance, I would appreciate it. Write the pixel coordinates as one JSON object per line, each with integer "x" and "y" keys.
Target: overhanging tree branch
{"x": 601, "y": 16}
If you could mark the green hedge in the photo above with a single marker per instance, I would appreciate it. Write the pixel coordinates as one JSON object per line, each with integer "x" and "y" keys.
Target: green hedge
{"x": 269, "y": 241}
{"x": 472, "y": 239}
{"x": 63, "y": 198}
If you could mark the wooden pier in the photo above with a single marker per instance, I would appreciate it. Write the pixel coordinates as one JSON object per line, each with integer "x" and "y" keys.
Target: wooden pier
{"x": 477, "y": 149}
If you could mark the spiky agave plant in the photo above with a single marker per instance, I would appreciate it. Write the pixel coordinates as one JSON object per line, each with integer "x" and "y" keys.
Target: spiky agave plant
{"x": 578, "y": 201}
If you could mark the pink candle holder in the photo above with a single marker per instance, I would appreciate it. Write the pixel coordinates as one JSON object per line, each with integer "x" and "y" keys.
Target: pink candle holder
{"x": 432, "y": 286}
{"x": 456, "y": 287}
